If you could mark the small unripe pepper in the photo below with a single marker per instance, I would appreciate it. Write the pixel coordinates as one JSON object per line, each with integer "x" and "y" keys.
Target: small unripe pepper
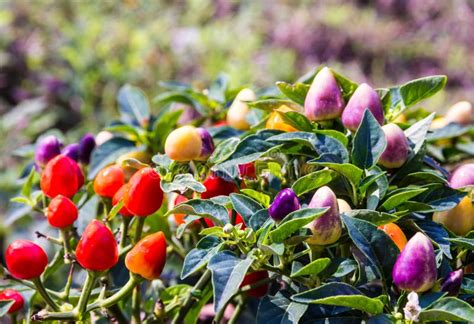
{"x": 144, "y": 195}
{"x": 284, "y": 203}
{"x": 184, "y": 144}
{"x": 415, "y": 268}
{"x": 327, "y": 228}
{"x": 11, "y": 294}
{"x": 276, "y": 121}
{"x": 97, "y": 249}
{"x": 62, "y": 212}
{"x": 109, "y": 180}
{"x": 118, "y": 197}
{"x": 253, "y": 278}
{"x": 460, "y": 219}
{"x": 452, "y": 282}
{"x": 86, "y": 146}
{"x": 71, "y": 151}
{"x": 461, "y": 112}
{"x": 25, "y": 259}
{"x": 396, "y": 234}
{"x": 324, "y": 99}
{"x": 216, "y": 186}
{"x": 239, "y": 110}
{"x": 462, "y": 176}
{"x": 61, "y": 176}
{"x": 46, "y": 149}
{"x": 148, "y": 257}
{"x": 396, "y": 152}
{"x": 363, "y": 98}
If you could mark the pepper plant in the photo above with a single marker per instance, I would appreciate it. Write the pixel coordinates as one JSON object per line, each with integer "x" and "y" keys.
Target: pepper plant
{"x": 306, "y": 202}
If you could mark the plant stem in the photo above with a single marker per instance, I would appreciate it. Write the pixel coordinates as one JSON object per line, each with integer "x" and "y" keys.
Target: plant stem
{"x": 136, "y": 318}
{"x": 67, "y": 287}
{"x": 42, "y": 291}
{"x": 86, "y": 292}
{"x": 66, "y": 245}
{"x": 124, "y": 231}
{"x": 202, "y": 282}
{"x": 237, "y": 312}
{"x": 139, "y": 229}
{"x": 14, "y": 318}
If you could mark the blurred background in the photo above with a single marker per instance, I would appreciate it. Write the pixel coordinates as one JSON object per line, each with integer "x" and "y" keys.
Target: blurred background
{"x": 62, "y": 62}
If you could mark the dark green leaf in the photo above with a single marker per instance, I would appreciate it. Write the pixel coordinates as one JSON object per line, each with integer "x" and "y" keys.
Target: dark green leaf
{"x": 5, "y": 306}
{"x": 372, "y": 216}
{"x": 272, "y": 104}
{"x": 416, "y": 134}
{"x": 312, "y": 181}
{"x": 279, "y": 310}
{"x": 463, "y": 242}
{"x": 296, "y": 92}
{"x": 223, "y": 150}
{"x": 108, "y": 153}
{"x": 312, "y": 268}
{"x": 295, "y": 221}
{"x": 437, "y": 233}
{"x": 297, "y": 120}
{"x": 245, "y": 206}
{"x": 401, "y": 196}
{"x": 350, "y": 171}
{"x": 181, "y": 183}
{"x": 204, "y": 208}
{"x": 448, "y": 309}
{"x": 258, "y": 219}
{"x": 218, "y": 88}
{"x": 134, "y": 105}
{"x": 198, "y": 257}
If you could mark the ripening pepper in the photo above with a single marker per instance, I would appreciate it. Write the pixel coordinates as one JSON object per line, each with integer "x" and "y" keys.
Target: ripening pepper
{"x": 11, "y": 294}
{"x": 247, "y": 171}
{"x": 61, "y": 176}
{"x": 86, "y": 146}
{"x": 254, "y": 277}
{"x": 129, "y": 170}
{"x": 363, "y": 98}
{"x": 452, "y": 282}
{"x": 327, "y": 228}
{"x": 415, "y": 268}
{"x": 144, "y": 195}
{"x": 47, "y": 148}
{"x": 462, "y": 176}
{"x": 239, "y": 110}
{"x": 25, "y": 259}
{"x": 285, "y": 202}
{"x": 324, "y": 99}
{"x": 217, "y": 186}
{"x": 276, "y": 121}
{"x": 148, "y": 257}
{"x": 458, "y": 220}
{"x": 109, "y": 180}
{"x": 189, "y": 113}
{"x": 343, "y": 206}
{"x": 179, "y": 218}
{"x": 71, "y": 151}
{"x": 97, "y": 249}
{"x": 184, "y": 144}
{"x": 396, "y": 152}
{"x": 62, "y": 212}
{"x": 207, "y": 143}
{"x": 118, "y": 197}
{"x": 396, "y": 234}
{"x": 461, "y": 112}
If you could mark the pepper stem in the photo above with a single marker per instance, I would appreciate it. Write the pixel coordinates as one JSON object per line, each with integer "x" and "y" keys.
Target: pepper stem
{"x": 86, "y": 292}
{"x": 44, "y": 294}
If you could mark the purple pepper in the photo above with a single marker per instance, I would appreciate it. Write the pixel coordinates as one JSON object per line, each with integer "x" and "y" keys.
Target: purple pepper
{"x": 207, "y": 143}
{"x": 284, "y": 203}
{"x": 452, "y": 282}
{"x": 46, "y": 149}
{"x": 396, "y": 152}
{"x": 463, "y": 176}
{"x": 327, "y": 228}
{"x": 363, "y": 98}
{"x": 71, "y": 151}
{"x": 324, "y": 99}
{"x": 86, "y": 145}
{"x": 415, "y": 268}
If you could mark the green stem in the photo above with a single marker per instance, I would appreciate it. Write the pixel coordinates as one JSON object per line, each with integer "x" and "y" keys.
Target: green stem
{"x": 67, "y": 246}
{"x": 86, "y": 292}
{"x": 237, "y": 312}
{"x": 202, "y": 282}
{"x": 14, "y": 318}
{"x": 136, "y": 318}
{"x": 124, "y": 231}
{"x": 67, "y": 287}
{"x": 139, "y": 229}
{"x": 46, "y": 297}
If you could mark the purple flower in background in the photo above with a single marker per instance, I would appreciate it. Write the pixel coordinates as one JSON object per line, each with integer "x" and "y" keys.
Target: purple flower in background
{"x": 86, "y": 145}
{"x": 46, "y": 149}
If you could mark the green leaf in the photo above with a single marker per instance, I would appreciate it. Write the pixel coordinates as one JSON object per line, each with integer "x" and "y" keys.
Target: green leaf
{"x": 259, "y": 219}
{"x": 463, "y": 242}
{"x": 295, "y": 221}
{"x": 416, "y": 134}
{"x": 87, "y": 213}
{"x": 313, "y": 181}
{"x": 401, "y": 196}
{"x": 198, "y": 257}
{"x": 347, "y": 86}
{"x": 260, "y": 197}
{"x": 134, "y": 105}
{"x": 181, "y": 183}
{"x": 108, "y": 153}
{"x": 340, "y": 294}
{"x": 334, "y": 133}
{"x": 245, "y": 206}
{"x": 450, "y": 131}
{"x": 296, "y": 92}
{"x": 279, "y": 309}
{"x": 376, "y": 246}
{"x": 312, "y": 268}
{"x": 228, "y": 272}
{"x": 372, "y": 216}
{"x": 297, "y": 120}
{"x": 26, "y": 188}
{"x": 448, "y": 309}
{"x": 369, "y": 142}
{"x": 376, "y": 191}
{"x": 436, "y": 233}
{"x": 5, "y": 306}
{"x": 350, "y": 171}
{"x": 204, "y": 208}
{"x": 115, "y": 210}
{"x": 163, "y": 126}
{"x": 223, "y": 150}
{"x": 272, "y": 104}
{"x": 218, "y": 88}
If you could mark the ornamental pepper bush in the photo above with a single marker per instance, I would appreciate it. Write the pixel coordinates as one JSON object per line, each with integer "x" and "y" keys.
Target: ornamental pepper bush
{"x": 323, "y": 200}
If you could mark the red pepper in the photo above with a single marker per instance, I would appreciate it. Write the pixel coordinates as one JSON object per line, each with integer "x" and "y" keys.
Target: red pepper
{"x": 11, "y": 294}
{"x": 254, "y": 277}
{"x": 179, "y": 218}
{"x": 248, "y": 171}
{"x": 97, "y": 249}
{"x": 118, "y": 197}
{"x": 109, "y": 181}
{"x": 62, "y": 212}
{"x": 148, "y": 257}
{"x": 216, "y": 186}
{"x": 25, "y": 259}
{"x": 144, "y": 195}
{"x": 61, "y": 176}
